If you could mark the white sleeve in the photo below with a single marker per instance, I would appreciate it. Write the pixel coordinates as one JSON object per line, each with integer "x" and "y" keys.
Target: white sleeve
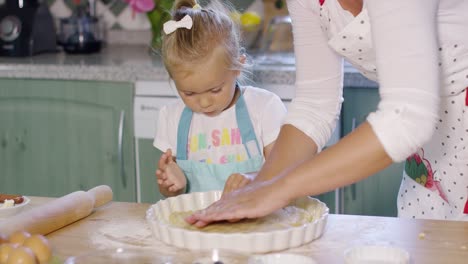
{"x": 405, "y": 40}
{"x": 272, "y": 118}
{"x": 319, "y": 75}
{"x": 166, "y": 130}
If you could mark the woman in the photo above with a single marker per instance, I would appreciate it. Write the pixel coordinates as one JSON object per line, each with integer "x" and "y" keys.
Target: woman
{"x": 418, "y": 52}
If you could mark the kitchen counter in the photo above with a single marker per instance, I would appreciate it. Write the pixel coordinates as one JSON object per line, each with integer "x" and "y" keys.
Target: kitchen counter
{"x": 131, "y": 63}
{"x": 120, "y": 224}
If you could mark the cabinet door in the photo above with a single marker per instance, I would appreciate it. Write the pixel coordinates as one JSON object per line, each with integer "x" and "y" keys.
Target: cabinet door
{"x": 61, "y": 136}
{"x": 377, "y": 194}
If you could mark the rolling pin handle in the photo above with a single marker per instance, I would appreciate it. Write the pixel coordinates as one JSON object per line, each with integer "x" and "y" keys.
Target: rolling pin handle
{"x": 101, "y": 195}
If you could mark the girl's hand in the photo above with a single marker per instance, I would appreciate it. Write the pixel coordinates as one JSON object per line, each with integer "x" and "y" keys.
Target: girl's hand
{"x": 237, "y": 181}
{"x": 254, "y": 200}
{"x": 162, "y": 166}
{"x": 175, "y": 178}
{"x": 169, "y": 175}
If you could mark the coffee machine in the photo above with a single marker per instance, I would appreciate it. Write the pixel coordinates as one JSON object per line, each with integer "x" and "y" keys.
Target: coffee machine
{"x": 26, "y": 28}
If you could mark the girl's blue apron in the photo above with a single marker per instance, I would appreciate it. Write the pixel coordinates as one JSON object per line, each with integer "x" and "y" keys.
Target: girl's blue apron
{"x": 207, "y": 177}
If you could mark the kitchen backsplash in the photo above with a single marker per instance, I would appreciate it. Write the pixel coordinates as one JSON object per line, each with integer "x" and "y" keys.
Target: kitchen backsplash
{"x": 117, "y": 14}
{"x": 123, "y": 25}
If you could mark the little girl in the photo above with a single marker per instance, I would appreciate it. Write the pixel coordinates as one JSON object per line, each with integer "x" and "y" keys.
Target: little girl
{"x": 219, "y": 128}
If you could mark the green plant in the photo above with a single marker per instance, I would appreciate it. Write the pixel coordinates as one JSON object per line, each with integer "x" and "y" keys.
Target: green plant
{"x": 157, "y": 17}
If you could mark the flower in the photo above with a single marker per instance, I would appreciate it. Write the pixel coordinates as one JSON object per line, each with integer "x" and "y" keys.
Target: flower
{"x": 158, "y": 12}
{"x": 141, "y": 6}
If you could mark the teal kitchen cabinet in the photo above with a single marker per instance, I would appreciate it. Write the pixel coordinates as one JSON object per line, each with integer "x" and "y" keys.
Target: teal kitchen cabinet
{"x": 375, "y": 195}
{"x": 59, "y": 136}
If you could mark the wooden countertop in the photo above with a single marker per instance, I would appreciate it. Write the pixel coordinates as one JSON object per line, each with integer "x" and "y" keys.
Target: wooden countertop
{"x": 119, "y": 224}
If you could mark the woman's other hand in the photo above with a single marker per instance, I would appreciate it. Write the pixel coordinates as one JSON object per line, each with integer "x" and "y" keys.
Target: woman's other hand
{"x": 237, "y": 181}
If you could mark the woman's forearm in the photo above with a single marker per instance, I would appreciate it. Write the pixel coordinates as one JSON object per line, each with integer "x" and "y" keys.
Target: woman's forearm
{"x": 353, "y": 158}
{"x": 291, "y": 148}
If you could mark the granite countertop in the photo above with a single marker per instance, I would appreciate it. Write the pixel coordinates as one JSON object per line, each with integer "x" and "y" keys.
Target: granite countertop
{"x": 131, "y": 63}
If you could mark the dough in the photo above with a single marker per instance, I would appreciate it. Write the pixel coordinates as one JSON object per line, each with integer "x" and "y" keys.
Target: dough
{"x": 290, "y": 216}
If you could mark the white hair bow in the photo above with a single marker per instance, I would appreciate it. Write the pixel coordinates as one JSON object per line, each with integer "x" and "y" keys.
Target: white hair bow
{"x": 171, "y": 25}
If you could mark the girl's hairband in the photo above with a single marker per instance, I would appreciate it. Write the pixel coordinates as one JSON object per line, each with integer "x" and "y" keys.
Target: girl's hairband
{"x": 186, "y": 22}
{"x": 171, "y": 25}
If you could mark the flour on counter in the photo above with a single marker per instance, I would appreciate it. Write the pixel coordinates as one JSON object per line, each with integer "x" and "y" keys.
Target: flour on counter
{"x": 123, "y": 234}
{"x": 128, "y": 234}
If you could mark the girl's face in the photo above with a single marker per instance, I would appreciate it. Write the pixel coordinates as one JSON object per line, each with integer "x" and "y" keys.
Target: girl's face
{"x": 209, "y": 88}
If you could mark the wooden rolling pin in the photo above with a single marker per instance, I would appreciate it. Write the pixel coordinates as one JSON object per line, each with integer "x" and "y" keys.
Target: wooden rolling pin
{"x": 57, "y": 213}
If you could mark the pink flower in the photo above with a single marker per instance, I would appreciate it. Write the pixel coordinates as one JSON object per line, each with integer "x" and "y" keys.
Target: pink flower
{"x": 141, "y": 6}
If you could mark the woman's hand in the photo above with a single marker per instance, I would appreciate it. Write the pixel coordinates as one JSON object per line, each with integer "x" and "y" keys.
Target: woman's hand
{"x": 254, "y": 200}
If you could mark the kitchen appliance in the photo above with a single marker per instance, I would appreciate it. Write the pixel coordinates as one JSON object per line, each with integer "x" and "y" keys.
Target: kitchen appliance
{"x": 82, "y": 32}
{"x": 26, "y": 28}
{"x": 278, "y": 36}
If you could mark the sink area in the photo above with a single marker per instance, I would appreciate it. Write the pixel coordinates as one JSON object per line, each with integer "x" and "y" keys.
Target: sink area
{"x": 273, "y": 58}
{"x": 283, "y": 59}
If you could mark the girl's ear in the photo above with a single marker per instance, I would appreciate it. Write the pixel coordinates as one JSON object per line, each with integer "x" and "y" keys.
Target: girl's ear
{"x": 242, "y": 58}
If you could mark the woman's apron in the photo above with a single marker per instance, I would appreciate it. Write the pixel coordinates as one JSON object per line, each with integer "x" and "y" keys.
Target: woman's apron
{"x": 435, "y": 179}
{"x": 207, "y": 177}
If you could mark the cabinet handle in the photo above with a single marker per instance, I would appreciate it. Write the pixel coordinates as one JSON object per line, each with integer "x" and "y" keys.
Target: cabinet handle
{"x": 353, "y": 124}
{"x": 339, "y": 199}
{"x": 120, "y": 148}
{"x": 353, "y": 186}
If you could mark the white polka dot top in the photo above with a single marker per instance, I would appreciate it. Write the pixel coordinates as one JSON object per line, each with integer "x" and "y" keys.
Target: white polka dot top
{"x": 416, "y": 50}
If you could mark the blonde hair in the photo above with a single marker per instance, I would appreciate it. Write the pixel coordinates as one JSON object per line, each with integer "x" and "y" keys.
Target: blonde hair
{"x": 212, "y": 27}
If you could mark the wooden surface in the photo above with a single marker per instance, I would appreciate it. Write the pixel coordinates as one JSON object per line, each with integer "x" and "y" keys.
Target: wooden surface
{"x": 120, "y": 224}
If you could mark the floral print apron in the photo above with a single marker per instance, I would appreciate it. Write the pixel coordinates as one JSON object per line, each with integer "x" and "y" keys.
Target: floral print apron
{"x": 435, "y": 179}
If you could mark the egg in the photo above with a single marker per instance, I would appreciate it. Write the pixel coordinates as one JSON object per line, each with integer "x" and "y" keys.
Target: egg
{"x": 18, "y": 237}
{"x": 5, "y": 250}
{"x": 40, "y": 246}
{"x": 21, "y": 255}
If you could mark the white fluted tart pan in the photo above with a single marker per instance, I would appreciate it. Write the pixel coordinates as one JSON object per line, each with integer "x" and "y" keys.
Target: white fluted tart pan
{"x": 301, "y": 222}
